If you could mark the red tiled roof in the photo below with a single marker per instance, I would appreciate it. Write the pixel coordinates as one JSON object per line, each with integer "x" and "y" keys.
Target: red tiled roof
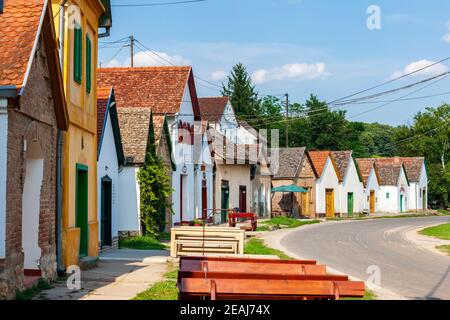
{"x": 365, "y": 167}
{"x": 102, "y": 103}
{"x": 134, "y": 124}
{"x": 319, "y": 160}
{"x": 19, "y": 25}
{"x": 158, "y": 88}
{"x": 342, "y": 161}
{"x": 158, "y": 127}
{"x": 413, "y": 168}
{"x": 212, "y": 108}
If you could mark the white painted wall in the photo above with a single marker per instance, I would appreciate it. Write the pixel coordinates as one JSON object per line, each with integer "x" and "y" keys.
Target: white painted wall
{"x": 229, "y": 127}
{"x": 206, "y": 160}
{"x": 389, "y": 199}
{"x": 372, "y": 185}
{"x": 3, "y": 172}
{"x": 129, "y": 204}
{"x": 351, "y": 184}
{"x": 328, "y": 180}
{"x": 107, "y": 165}
{"x": 183, "y": 156}
{"x": 31, "y": 204}
{"x": 416, "y": 189}
{"x": 237, "y": 175}
{"x": 390, "y": 195}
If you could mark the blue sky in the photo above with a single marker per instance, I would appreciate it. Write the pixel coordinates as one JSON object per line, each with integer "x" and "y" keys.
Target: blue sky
{"x": 297, "y": 46}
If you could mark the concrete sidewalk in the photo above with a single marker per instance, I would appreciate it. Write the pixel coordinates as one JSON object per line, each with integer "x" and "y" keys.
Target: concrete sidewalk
{"x": 135, "y": 255}
{"x": 120, "y": 275}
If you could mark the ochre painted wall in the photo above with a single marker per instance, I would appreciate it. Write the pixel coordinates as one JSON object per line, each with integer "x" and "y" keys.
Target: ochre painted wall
{"x": 80, "y": 140}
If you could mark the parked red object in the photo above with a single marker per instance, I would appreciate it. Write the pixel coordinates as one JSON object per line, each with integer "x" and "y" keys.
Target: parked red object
{"x": 261, "y": 279}
{"x": 234, "y": 217}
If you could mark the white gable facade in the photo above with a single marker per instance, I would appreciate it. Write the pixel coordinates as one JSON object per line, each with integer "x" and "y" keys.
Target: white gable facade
{"x": 328, "y": 181}
{"x": 204, "y": 180}
{"x": 183, "y": 178}
{"x": 108, "y": 168}
{"x": 372, "y": 188}
{"x": 351, "y": 191}
{"x": 129, "y": 204}
{"x": 418, "y": 192}
{"x": 230, "y": 128}
{"x": 394, "y": 199}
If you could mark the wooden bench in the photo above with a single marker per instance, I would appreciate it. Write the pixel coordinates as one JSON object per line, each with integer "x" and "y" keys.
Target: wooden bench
{"x": 267, "y": 289}
{"x": 266, "y": 267}
{"x": 261, "y": 279}
{"x": 188, "y": 240}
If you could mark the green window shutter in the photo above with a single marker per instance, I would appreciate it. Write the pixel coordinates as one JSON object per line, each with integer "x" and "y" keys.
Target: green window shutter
{"x": 88, "y": 64}
{"x": 77, "y": 55}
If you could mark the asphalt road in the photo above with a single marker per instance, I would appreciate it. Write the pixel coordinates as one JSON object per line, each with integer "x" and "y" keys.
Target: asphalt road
{"x": 351, "y": 247}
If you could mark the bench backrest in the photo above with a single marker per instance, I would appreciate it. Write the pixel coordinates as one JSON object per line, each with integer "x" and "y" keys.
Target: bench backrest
{"x": 265, "y": 289}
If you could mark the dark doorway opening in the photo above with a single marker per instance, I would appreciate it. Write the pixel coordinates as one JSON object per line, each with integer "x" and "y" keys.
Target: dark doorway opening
{"x": 81, "y": 207}
{"x": 106, "y": 213}
{"x": 225, "y": 196}
{"x": 243, "y": 198}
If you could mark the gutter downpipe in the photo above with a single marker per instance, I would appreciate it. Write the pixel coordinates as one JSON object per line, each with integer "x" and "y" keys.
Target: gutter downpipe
{"x": 59, "y": 182}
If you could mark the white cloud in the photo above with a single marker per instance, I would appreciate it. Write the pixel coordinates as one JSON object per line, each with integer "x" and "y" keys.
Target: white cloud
{"x": 446, "y": 37}
{"x": 219, "y": 75}
{"x": 431, "y": 71}
{"x": 295, "y": 71}
{"x": 147, "y": 58}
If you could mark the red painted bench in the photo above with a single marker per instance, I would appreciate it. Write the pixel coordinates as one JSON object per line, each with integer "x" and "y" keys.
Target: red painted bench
{"x": 234, "y": 217}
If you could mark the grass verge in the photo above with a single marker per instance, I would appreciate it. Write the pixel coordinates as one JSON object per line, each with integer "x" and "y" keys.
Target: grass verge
{"x": 163, "y": 290}
{"x": 30, "y": 293}
{"x": 441, "y": 232}
{"x": 286, "y": 222}
{"x": 141, "y": 243}
{"x": 257, "y": 246}
{"x": 444, "y": 248}
{"x": 370, "y": 295}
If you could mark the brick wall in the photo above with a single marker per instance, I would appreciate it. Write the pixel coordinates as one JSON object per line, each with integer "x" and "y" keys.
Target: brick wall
{"x": 307, "y": 180}
{"x": 32, "y": 119}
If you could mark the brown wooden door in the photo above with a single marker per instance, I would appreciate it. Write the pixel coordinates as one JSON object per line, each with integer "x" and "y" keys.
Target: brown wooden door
{"x": 305, "y": 204}
{"x": 204, "y": 199}
{"x": 372, "y": 201}
{"x": 243, "y": 198}
{"x": 329, "y": 203}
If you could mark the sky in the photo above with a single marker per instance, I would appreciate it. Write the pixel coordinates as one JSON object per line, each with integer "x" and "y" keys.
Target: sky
{"x": 299, "y": 47}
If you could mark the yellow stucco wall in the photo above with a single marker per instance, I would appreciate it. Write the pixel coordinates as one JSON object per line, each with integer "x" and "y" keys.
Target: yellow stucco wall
{"x": 80, "y": 140}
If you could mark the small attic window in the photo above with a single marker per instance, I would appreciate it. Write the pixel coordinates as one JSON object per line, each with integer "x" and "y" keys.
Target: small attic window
{"x": 387, "y": 195}
{"x": 1, "y": 6}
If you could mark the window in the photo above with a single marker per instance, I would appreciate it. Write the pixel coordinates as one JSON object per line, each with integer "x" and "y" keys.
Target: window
{"x": 88, "y": 64}
{"x": 77, "y": 54}
{"x": 387, "y": 195}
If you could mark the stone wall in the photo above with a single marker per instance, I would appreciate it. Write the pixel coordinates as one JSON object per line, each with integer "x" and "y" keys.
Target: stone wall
{"x": 31, "y": 119}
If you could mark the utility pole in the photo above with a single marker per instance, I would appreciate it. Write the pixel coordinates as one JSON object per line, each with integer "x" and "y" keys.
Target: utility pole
{"x": 132, "y": 50}
{"x": 287, "y": 119}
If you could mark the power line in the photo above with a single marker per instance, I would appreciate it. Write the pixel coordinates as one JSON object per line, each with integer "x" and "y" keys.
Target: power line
{"x": 157, "y": 4}
{"x": 404, "y": 96}
{"x": 406, "y": 99}
{"x": 390, "y": 81}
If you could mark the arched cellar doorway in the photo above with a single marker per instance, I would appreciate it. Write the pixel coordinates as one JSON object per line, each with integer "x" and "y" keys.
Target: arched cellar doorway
{"x": 34, "y": 164}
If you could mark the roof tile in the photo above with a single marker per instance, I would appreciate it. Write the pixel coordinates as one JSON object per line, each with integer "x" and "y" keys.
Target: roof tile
{"x": 19, "y": 25}
{"x": 158, "y": 88}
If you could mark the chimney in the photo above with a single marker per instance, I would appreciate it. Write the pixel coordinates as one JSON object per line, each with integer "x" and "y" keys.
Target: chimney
{"x": 1, "y": 6}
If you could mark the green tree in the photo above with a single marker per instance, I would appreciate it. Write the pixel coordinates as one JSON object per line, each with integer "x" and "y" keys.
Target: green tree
{"x": 241, "y": 92}
{"x": 328, "y": 128}
{"x": 429, "y": 136}
{"x": 155, "y": 190}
